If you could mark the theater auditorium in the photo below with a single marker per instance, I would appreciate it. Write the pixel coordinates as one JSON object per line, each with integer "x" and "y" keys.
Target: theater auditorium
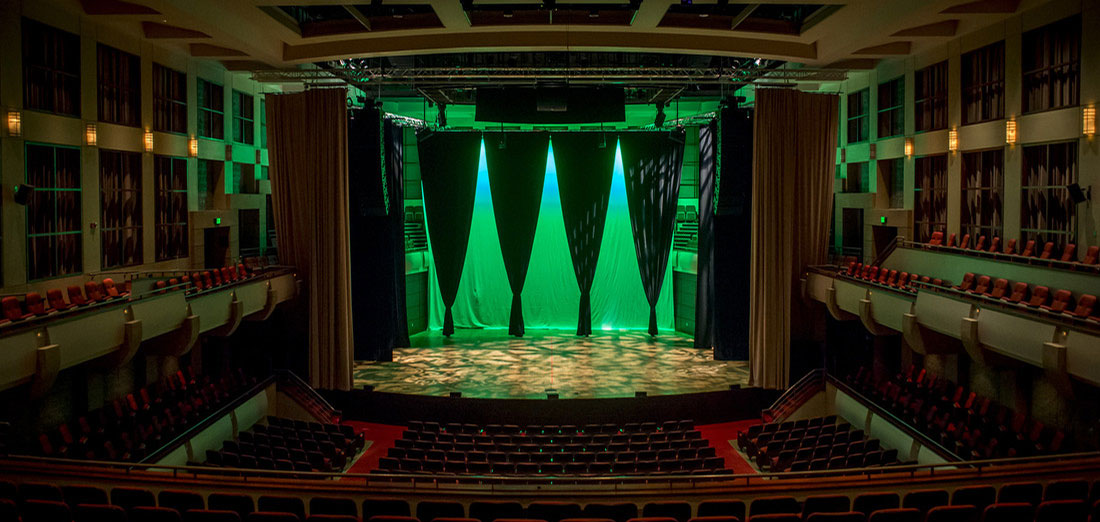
{"x": 549, "y": 261}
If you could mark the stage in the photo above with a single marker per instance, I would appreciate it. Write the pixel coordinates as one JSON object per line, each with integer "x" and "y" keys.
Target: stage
{"x": 490, "y": 364}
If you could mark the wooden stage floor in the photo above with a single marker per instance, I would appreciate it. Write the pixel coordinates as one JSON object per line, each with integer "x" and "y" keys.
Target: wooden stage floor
{"x": 493, "y": 365}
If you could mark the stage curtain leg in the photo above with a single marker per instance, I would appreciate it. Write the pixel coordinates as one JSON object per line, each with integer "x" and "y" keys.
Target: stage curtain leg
{"x": 517, "y": 170}
{"x": 448, "y": 174}
{"x": 704, "y": 285}
{"x": 793, "y": 160}
{"x": 395, "y": 176}
{"x": 307, "y": 133}
{"x": 651, "y": 164}
{"x": 585, "y": 162}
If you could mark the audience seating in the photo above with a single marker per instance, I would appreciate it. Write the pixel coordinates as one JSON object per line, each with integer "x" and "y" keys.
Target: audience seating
{"x": 1035, "y": 299}
{"x": 1061, "y": 501}
{"x": 882, "y": 276}
{"x": 1031, "y": 253}
{"x": 971, "y": 426}
{"x": 812, "y": 444}
{"x": 289, "y": 445}
{"x": 131, "y": 427}
{"x": 637, "y": 448}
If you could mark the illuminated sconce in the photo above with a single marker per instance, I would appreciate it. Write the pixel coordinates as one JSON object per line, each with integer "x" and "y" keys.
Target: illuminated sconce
{"x": 1088, "y": 120}
{"x": 1010, "y": 132}
{"x": 953, "y": 140}
{"x": 148, "y": 141}
{"x": 15, "y": 123}
{"x": 89, "y": 134}
{"x": 193, "y": 147}
{"x": 908, "y": 147}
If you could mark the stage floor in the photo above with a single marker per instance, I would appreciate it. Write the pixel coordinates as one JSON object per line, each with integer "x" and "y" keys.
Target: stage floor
{"x": 493, "y": 365}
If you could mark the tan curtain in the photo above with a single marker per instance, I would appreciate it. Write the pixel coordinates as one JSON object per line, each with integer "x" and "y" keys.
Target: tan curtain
{"x": 794, "y": 154}
{"x": 307, "y": 133}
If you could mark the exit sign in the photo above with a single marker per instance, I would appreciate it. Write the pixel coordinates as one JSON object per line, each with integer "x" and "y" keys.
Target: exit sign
{"x": 882, "y": 220}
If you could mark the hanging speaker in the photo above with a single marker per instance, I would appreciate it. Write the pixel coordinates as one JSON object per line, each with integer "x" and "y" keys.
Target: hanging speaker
{"x": 22, "y": 193}
{"x": 1077, "y": 193}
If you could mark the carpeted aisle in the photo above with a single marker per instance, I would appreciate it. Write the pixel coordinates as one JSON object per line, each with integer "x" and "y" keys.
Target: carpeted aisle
{"x": 720, "y": 436}
{"x": 381, "y": 437}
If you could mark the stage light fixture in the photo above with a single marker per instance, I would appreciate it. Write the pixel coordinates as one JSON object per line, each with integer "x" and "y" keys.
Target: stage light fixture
{"x": 21, "y": 193}
{"x": 90, "y": 134}
{"x": 15, "y": 123}
{"x": 659, "y": 120}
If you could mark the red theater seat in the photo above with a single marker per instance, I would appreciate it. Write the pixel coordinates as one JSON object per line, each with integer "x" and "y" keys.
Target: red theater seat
{"x": 81, "y": 494}
{"x": 1085, "y": 306}
{"x": 130, "y": 498}
{"x": 715, "y": 519}
{"x": 76, "y": 297}
{"x": 1029, "y": 249}
{"x": 825, "y": 504}
{"x": 1048, "y": 250}
{"x": 617, "y": 511}
{"x": 1009, "y": 512}
{"x": 1070, "y": 253}
{"x": 94, "y": 291}
{"x": 775, "y": 517}
{"x": 180, "y": 500}
{"x": 553, "y": 511}
{"x": 154, "y": 514}
{"x": 13, "y": 311}
{"x": 396, "y": 507}
{"x": 995, "y": 246}
{"x": 1000, "y": 288}
{"x": 276, "y": 504}
{"x": 1019, "y": 293}
{"x": 896, "y": 515}
{"x": 936, "y": 239}
{"x": 46, "y": 511}
{"x": 952, "y": 514}
{"x": 57, "y": 300}
{"x": 774, "y": 505}
{"x": 721, "y": 508}
{"x": 967, "y": 282}
{"x": 1039, "y": 296}
{"x": 263, "y": 516}
{"x": 926, "y": 499}
{"x": 98, "y": 513}
{"x": 433, "y": 509}
{"x": 111, "y": 290}
{"x": 965, "y": 241}
{"x": 980, "y": 244}
{"x": 680, "y": 511}
{"x": 35, "y": 304}
{"x": 984, "y": 283}
{"x": 240, "y": 504}
{"x": 1010, "y": 247}
{"x": 951, "y": 240}
{"x": 868, "y": 503}
{"x": 1063, "y": 299}
{"x": 210, "y": 515}
{"x": 1091, "y": 255}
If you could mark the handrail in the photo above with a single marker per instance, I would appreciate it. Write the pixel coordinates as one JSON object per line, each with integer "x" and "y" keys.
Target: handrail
{"x": 210, "y": 419}
{"x": 1070, "y": 266}
{"x": 813, "y": 377}
{"x": 1011, "y": 309}
{"x": 893, "y": 245}
{"x": 463, "y": 482}
{"x": 899, "y": 423}
{"x": 291, "y": 378}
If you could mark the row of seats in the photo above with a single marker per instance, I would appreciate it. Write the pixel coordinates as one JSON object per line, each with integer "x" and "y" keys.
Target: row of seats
{"x": 205, "y": 280}
{"x": 1028, "y": 253}
{"x": 1062, "y": 501}
{"x": 891, "y": 278}
{"x": 455, "y": 428}
{"x": 970, "y": 425}
{"x": 810, "y": 445}
{"x": 33, "y": 306}
{"x": 129, "y": 428}
{"x": 1036, "y": 297}
{"x": 290, "y": 445}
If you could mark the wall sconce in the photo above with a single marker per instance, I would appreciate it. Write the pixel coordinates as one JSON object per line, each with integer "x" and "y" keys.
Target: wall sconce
{"x": 1088, "y": 120}
{"x": 193, "y": 147}
{"x": 908, "y": 147}
{"x": 148, "y": 141}
{"x": 953, "y": 140}
{"x": 89, "y": 134}
{"x": 258, "y": 156}
{"x": 1010, "y": 131}
{"x": 228, "y": 153}
{"x": 872, "y": 150}
{"x": 15, "y": 123}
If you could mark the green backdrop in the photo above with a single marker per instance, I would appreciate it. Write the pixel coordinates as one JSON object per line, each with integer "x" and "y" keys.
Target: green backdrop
{"x": 550, "y": 293}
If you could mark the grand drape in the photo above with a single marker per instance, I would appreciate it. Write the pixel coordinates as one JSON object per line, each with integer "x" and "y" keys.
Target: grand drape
{"x": 307, "y": 133}
{"x": 394, "y": 143}
{"x": 585, "y": 162}
{"x": 651, "y": 164}
{"x": 704, "y": 285}
{"x": 517, "y": 170}
{"x": 793, "y": 160}
{"x": 448, "y": 174}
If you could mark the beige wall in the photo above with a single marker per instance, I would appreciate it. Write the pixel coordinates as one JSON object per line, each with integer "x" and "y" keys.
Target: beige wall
{"x": 48, "y": 128}
{"x": 1042, "y": 127}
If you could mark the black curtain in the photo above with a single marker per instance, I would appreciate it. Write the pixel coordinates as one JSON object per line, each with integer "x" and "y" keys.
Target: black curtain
{"x": 704, "y": 284}
{"x": 651, "y": 163}
{"x": 732, "y": 235}
{"x": 584, "y": 161}
{"x": 448, "y": 173}
{"x": 377, "y": 246}
{"x": 517, "y": 169}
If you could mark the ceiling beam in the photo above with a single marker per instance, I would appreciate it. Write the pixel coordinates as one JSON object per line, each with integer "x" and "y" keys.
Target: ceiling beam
{"x": 358, "y": 15}
{"x": 451, "y": 14}
{"x": 745, "y": 13}
{"x": 650, "y": 13}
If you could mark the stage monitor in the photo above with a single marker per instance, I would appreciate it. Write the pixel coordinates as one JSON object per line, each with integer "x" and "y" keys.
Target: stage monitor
{"x": 550, "y": 104}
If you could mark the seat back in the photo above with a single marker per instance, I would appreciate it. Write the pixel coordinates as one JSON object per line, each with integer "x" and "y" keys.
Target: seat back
{"x": 1085, "y": 306}
{"x": 56, "y": 299}
{"x": 1010, "y": 248}
{"x": 34, "y": 303}
{"x": 1000, "y": 288}
{"x": 983, "y": 284}
{"x": 774, "y": 505}
{"x": 980, "y": 244}
{"x": 1069, "y": 254}
{"x": 951, "y": 240}
{"x": 1019, "y": 293}
{"x": 1039, "y": 296}
{"x": 76, "y": 297}
{"x": 965, "y": 241}
{"x": 1048, "y": 250}
{"x": 1091, "y": 255}
{"x": 1062, "y": 300}
{"x": 868, "y": 503}
{"x": 995, "y": 246}
{"x": 93, "y": 290}
{"x": 109, "y": 287}
{"x": 1029, "y": 248}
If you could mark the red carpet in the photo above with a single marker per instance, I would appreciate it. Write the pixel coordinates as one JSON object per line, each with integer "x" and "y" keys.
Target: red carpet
{"x": 381, "y": 437}
{"x": 719, "y": 436}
